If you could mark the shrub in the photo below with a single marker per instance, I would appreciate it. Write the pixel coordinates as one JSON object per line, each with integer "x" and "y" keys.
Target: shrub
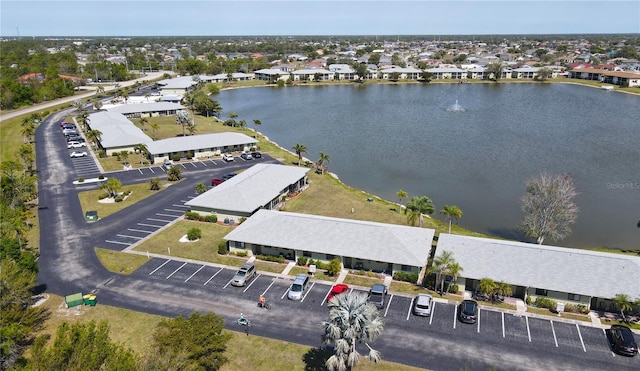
{"x": 101, "y": 177}
{"x": 175, "y": 157}
{"x": 102, "y": 153}
{"x": 271, "y": 258}
{"x": 211, "y": 218}
{"x": 453, "y": 289}
{"x": 406, "y": 277}
{"x": 81, "y": 179}
{"x": 194, "y": 234}
{"x": 222, "y": 248}
{"x": 302, "y": 261}
{"x": 528, "y": 300}
{"x": 189, "y": 156}
{"x": 542, "y": 302}
{"x": 119, "y": 198}
{"x": 191, "y": 215}
{"x": 242, "y": 220}
{"x": 334, "y": 267}
{"x": 241, "y": 253}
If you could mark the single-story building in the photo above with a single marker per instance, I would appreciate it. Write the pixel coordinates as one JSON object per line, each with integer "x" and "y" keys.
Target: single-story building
{"x": 313, "y": 74}
{"x": 440, "y": 73}
{"x": 271, "y": 74}
{"x": 408, "y": 73}
{"x": 118, "y": 133}
{"x": 147, "y": 109}
{"x": 563, "y": 274}
{"x": 620, "y": 78}
{"x": 199, "y": 146}
{"x": 262, "y": 186}
{"x": 358, "y": 244}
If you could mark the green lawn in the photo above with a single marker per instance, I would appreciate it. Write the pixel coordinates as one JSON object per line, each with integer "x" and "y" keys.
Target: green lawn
{"x": 319, "y": 275}
{"x": 120, "y": 262}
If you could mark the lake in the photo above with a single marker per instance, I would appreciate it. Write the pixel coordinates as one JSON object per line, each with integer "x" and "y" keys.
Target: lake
{"x": 383, "y": 138}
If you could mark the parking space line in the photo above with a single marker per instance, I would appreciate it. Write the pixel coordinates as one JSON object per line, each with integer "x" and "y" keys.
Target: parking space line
{"x": 433, "y": 311}
{"x": 410, "y": 306}
{"x": 118, "y": 242}
{"x": 154, "y": 271}
{"x": 160, "y": 220}
{"x": 308, "y": 291}
{"x": 149, "y": 225}
{"x": 169, "y": 215}
{"x": 455, "y": 314}
{"x": 478, "y": 320}
{"x": 225, "y": 286}
{"x": 388, "y": 305}
{"x": 194, "y": 274}
{"x": 215, "y": 274}
{"x": 581, "y": 341}
{"x": 194, "y": 165}
{"x": 150, "y": 168}
{"x": 502, "y": 324}
{"x": 138, "y": 230}
{"x": 285, "y": 293}
{"x": 554, "y": 333}
{"x": 268, "y": 287}
{"x": 604, "y": 332}
{"x": 326, "y": 296}
{"x": 252, "y": 282}
{"x": 185, "y": 263}
{"x": 526, "y": 318}
{"x": 185, "y": 206}
{"x": 175, "y": 211}
{"x": 127, "y": 236}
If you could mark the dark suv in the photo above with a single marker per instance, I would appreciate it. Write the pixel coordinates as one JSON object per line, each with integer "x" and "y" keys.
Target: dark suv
{"x": 622, "y": 341}
{"x": 468, "y": 311}
{"x": 377, "y": 294}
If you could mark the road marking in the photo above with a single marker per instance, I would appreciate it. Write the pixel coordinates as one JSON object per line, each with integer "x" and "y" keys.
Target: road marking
{"x": 160, "y": 220}
{"x": 326, "y": 296}
{"x": 526, "y": 318}
{"x": 118, "y": 242}
{"x": 268, "y": 287}
{"x": 388, "y": 305}
{"x": 194, "y": 165}
{"x": 433, "y": 311}
{"x": 604, "y": 332}
{"x": 455, "y": 314}
{"x": 169, "y": 215}
{"x": 127, "y": 236}
{"x": 252, "y": 282}
{"x": 308, "y": 291}
{"x": 410, "y": 306}
{"x": 502, "y": 324}
{"x": 138, "y": 230}
{"x": 554, "y": 334}
{"x": 185, "y": 263}
{"x": 185, "y": 206}
{"x": 175, "y": 211}
{"x": 194, "y": 274}
{"x": 209, "y": 280}
{"x": 478, "y": 320}
{"x": 149, "y": 225}
{"x": 150, "y": 168}
{"x": 154, "y": 271}
{"x": 582, "y": 342}
{"x": 140, "y": 171}
{"x": 225, "y": 286}
{"x": 285, "y": 293}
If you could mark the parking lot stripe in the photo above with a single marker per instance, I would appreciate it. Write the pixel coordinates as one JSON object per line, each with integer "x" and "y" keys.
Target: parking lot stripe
{"x": 185, "y": 206}
{"x": 149, "y": 225}
{"x": 175, "y": 211}
{"x": 127, "y": 236}
{"x": 118, "y": 242}
{"x": 478, "y": 320}
{"x": 455, "y": 314}
{"x": 194, "y": 274}
{"x": 138, "y": 230}
{"x": 554, "y": 334}
{"x": 268, "y": 287}
{"x": 604, "y": 332}
{"x": 172, "y": 273}
{"x": 308, "y": 291}
{"x": 140, "y": 171}
{"x": 160, "y": 220}
{"x": 154, "y": 271}
{"x": 285, "y": 293}
{"x": 410, "y": 306}
{"x": 581, "y": 341}
{"x": 225, "y": 286}
{"x": 169, "y": 215}
{"x": 326, "y": 296}
{"x": 433, "y": 311}
{"x": 526, "y": 319}
{"x": 502, "y": 324}
{"x": 388, "y": 305}
{"x": 252, "y": 282}
{"x": 215, "y": 274}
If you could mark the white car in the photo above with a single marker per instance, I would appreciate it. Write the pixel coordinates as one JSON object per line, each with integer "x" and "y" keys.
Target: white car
{"x": 78, "y": 154}
{"x": 227, "y": 157}
{"x": 168, "y": 164}
{"x": 76, "y": 145}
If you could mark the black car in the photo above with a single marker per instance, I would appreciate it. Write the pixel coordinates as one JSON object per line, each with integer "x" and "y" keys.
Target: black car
{"x": 256, "y": 154}
{"x": 228, "y": 176}
{"x": 622, "y": 341}
{"x": 468, "y": 311}
{"x": 75, "y": 138}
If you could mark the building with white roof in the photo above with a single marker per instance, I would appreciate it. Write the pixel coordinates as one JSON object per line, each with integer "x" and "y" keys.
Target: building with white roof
{"x": 261, "y": 186}
{"x": 147, "y": 109}
{"x": 406, "y": 73}
{"x": 358, "y": 244}
{"x": 118, "y": 133}
{"x": 199, "y": 146}
{"x": 563, "y": 274}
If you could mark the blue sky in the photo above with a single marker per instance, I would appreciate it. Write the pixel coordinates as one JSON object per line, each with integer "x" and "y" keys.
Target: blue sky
{"x": 315, "y": 17}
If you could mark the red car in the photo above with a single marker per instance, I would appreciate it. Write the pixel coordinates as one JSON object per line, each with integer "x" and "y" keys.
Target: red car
{"x": 216, "y": 181}
{"x": 337, "y": 290}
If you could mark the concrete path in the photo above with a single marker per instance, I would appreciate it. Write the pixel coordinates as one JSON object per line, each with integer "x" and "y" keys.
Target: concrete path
{"x": 387, "y": 280}
{"x": 287, "y": 269}
{"x": 342, "y": 276}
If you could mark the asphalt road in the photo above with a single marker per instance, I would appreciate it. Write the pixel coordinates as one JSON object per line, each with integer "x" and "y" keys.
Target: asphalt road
{"x": 171, "y": 287}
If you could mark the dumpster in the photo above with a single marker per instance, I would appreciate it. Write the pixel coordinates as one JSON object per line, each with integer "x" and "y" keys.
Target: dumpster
{"x": 89, "y": 300}
{"x": 73, "y": 300}
{"x": 91, "y": 216}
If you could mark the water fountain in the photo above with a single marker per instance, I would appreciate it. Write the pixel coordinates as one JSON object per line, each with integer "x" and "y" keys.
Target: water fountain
{"x": 456, "y": 108}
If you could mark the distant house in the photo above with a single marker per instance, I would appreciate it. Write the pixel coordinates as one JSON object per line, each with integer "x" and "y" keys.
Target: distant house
{"x": 31, "y": 77}
{"x": 310, "y": 75}
{"x": 270, "y": 74}
{"x": 199, "y": 146}
{"x": 620, "y": 78}
{"x": 151, "y": 109}
{"x": 440, "y": 73}
{"x": 404, "y": 73}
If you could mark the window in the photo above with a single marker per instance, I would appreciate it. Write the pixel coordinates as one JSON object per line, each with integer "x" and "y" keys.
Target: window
{"x": 541, "y": 292}
{"x": 406, "y": 268}
{"x": 574, "y": 297}
{"x": 306, "y": 254}
{"x": 329, "y": 256}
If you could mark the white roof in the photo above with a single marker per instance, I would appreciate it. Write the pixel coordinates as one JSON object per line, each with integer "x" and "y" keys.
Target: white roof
{"x": 445, "y": 70}
{"x": 401, "y": 70}
{"x": 195, "y": 142}
{"x": 311, "y": 71}
{"x": 182, "y": 82}
{"x": 381, "y": 242}
{"x": 251, "y": 189}
{"x": 146, "y": 107}
{"x": 117, "y": 130}
{"x": 576, "y": 271}
{"x": 271, "y": 71}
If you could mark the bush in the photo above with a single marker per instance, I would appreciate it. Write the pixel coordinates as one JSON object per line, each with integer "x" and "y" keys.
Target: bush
{"x": 191, "y": 215}
{"x": 302, "y": 261}
{"x": 194, "y": 234}
{"x": 119, "y": 198}
{"x": 103, "y": 196}
{"x": 334, "y": 267}
{"x": 406, "y": 277}
{"x": 528, "y": 300}
{"x": 542, "y": 302}
{"x": 241, "y": 253}
{"x": 175, "y": 157}
{"x": 271, "y": 258}
{"x": 81, "y": 179}
{"x": 189, "y": 156}
{"x": 222, "y": 248}
{"x": 101, "y": 177}
{"x": 211, "y": 218}
{"x": 454, "y": 289}
{"x": 102, "y": 153}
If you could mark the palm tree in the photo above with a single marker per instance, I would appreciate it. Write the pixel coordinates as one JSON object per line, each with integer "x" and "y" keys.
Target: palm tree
{"x": 147, "y": 96}
{"x": 454, "y": 271}
{"x": 451, "y": 212}
{"x": 78, "y": 104}
{"x": 100, "y": 90}
{"x": 141, "y": 149}
{"x": 28, "y": 130}
{"x": 420, "y": 205}
{"x": 242, "y": 124}
{"x": 299, "y": 149}
{"x": 401, "y": 195}
{"x": 352, "y": 320}
{"x": 94, "y": 136}
{"x": 322, "y": 162}
{"x": 487, "y": 286}
{"x": 201, "y": 188}
{"x": 441, "y": 265}
{"x": 256, "y": 123}
{"x": 503, "y": 289}
{"x": 154, "y": 184}
{"x": 182, "y": 118}
{"x": 232, "y": 117}
{"x": 154, "y": 129}
{"x": 174, "y": 174}
{"x": 143, "y": 121}
{"x": 97, "y": 104}
{"x": 624, "y": 303}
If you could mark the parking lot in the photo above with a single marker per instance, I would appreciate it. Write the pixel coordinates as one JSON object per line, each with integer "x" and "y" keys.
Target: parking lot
{"x": 492, "y": 326}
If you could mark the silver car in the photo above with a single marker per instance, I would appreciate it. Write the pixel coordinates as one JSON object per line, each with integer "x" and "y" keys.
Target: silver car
{"x": 422, "y": 305}
{"x": 245, "y": 274}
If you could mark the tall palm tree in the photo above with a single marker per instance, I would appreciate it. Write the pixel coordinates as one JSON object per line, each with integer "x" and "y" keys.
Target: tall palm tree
{"x": 143, "y": 121}
{"x": 299, "y": 149}
{"x": 232, "y": 117}
{"x": 352, "y": 320}
{"x": 78, "y": 104}
{"x": 100, "y": 90}
{"x": 441, "y": 265}
{"x": 256, "y": 123}
{"x": 401, "y": 195}
{"x": 624, "y": 303}
{"x": 420, "y": 205}
{"x": 451, "y": 212}
{"x": 141, "y": 149}
{"x": 454, "y": 271}
{"x": 183, "y": 118}
{"x": 154, "y": 129}
{"x": 322, "y": 162}
{"x": 97, "y": 104}
{"x": 94, "y": 136}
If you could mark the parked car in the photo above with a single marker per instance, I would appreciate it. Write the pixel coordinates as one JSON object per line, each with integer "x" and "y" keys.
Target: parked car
{"x": 227, "y": 157}
{"x": 63, "y": 123}
{"x": 256, "y": 154}
{"x": 216, "y": 181}
{"x": 298, "y": 287}
{"x": 168, "y": 164}
{"x": 68, "y": 127}
{"x": 622, "y": 341}
{"x": 68, "y": 132}
{"x": 244, "y": 275}
{"x": 78, "y": 154}
{"x": 246, "y": 156}
{"x": 377, "y": 295}
{"x": 228, "y": 176}
{"x": 422, "y": 305}
{"x": 76, "y": 144}
{"x": 468, "y": 311}
{"x": 337, "y": 290}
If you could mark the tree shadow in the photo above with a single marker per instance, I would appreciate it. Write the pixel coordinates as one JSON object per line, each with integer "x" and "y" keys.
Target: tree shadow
{"x": 510, "y": 234}
{"x": 315, "y": 358}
